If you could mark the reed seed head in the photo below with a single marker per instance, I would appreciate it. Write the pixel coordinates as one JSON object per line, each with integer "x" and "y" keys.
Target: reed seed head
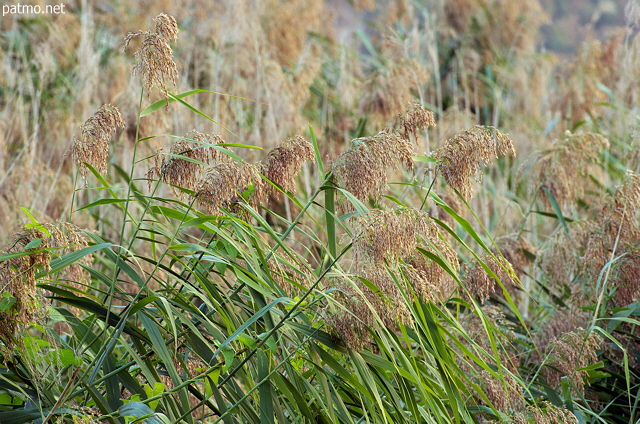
{"x": 558, "y": 170}
{"x": 284, "y": 162}
{"x": 620, "y": 215}
{"x": 166, "y": 27}
{"x": 563, "y": 321}
{"x": 18, "y": 275}
{"x": 155, "y": 63}
{"x": 508, "y": 262}
{"x": 561, "y": 259}
{"x": 223, "y": 185}
{"x": 385, "y": 246}
{"x": 362, "y": 168}
{"x": 570, "y": 352}
{"x": 354, "y": 318}
{"x": 414, "y": 119}
{"x": 505, "y": 394}
{"x": 463, "y": 156}
{"x": 91, "y": 145}
{"x": 183, "y": 166}
{"x": 627, "y": 279}
{"x": 545, "y": 413}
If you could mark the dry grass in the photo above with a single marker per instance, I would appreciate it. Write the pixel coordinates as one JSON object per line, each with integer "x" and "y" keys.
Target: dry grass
{"x": 17, "y": 275}
{"x": 473, "y": 62}
{"x": 461, "y": 159}
{"x": 155, "y": 63}
{"x": 568, "y": 353}
{"x": 92, "y": 144}
{"x": 183, "y": 166}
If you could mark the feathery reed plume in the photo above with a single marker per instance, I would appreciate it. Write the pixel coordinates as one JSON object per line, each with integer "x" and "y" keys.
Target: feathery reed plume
{"x": 512, "y": 256}
{"x": 568, "y": 353}
{"x": 626, "y": 276}
{"x": 518, "y": 251}
{"x": 505, "y": 394}
{"x": 362, "y": 168}
{"x": 462, "y": 157}
{"x": 354, "y": 318}
{"x": 414, "y": 118}
{"x": 284, "y": 162}
{"x": 92, "y": 144}
{"x": 364, "y": 309}
{"x": 563, "y": 321}
{"x": 557, "y": 170}
{"x": 561, "y": 259}
{"x": 385, "y": 245}
{"x": 18, "y": 275}
{"x": 480, "y": 284}
{"x": 392, "y": 237}
{"x": 619, "y": 235}
{"x": 388, "y": 235}
{"x": 181, "y": 172}
{"x": 155, "y": 63}
{"x": 545, "y": 413}
{"x": 224, "y": 184}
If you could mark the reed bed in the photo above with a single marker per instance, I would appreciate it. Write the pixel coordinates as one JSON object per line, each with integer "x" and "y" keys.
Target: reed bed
{"x": 273, "y": 217}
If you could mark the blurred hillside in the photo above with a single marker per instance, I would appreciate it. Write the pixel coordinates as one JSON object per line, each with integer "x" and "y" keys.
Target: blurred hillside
{"x": 573, "y": 21}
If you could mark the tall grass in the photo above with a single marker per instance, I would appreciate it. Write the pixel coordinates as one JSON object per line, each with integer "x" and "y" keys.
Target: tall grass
{"x": 221, "y": 282}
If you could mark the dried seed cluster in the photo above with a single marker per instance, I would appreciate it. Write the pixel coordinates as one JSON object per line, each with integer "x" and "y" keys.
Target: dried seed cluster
{"x": 183, "y": 166}
{"x": 91, "y": 145}
{"x": 224, "y": 184}
{"x": 505, "y": 394}
{"x": 570, "y": 352}
{"x": 508, "y": 263}
{"x": 362, "y": 168}
{"x": 460, "y": 160}
{"x": 545, "y": 413}
{"x": 285, "y": 161}
{"x": 18, "y": 275}
{"x": 557, "y": 170}
{"x": 155, "y": 63}
{"x": 385, "y": 255}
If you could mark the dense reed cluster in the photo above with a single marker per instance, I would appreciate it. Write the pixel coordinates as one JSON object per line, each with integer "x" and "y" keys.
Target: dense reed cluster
{"x": 182, "y": 167}
{"x": 385, "y": 255}
{"x": 320, "y": 251}
{"x": 363, "y": 168}
{"x": 18, "y": 274}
